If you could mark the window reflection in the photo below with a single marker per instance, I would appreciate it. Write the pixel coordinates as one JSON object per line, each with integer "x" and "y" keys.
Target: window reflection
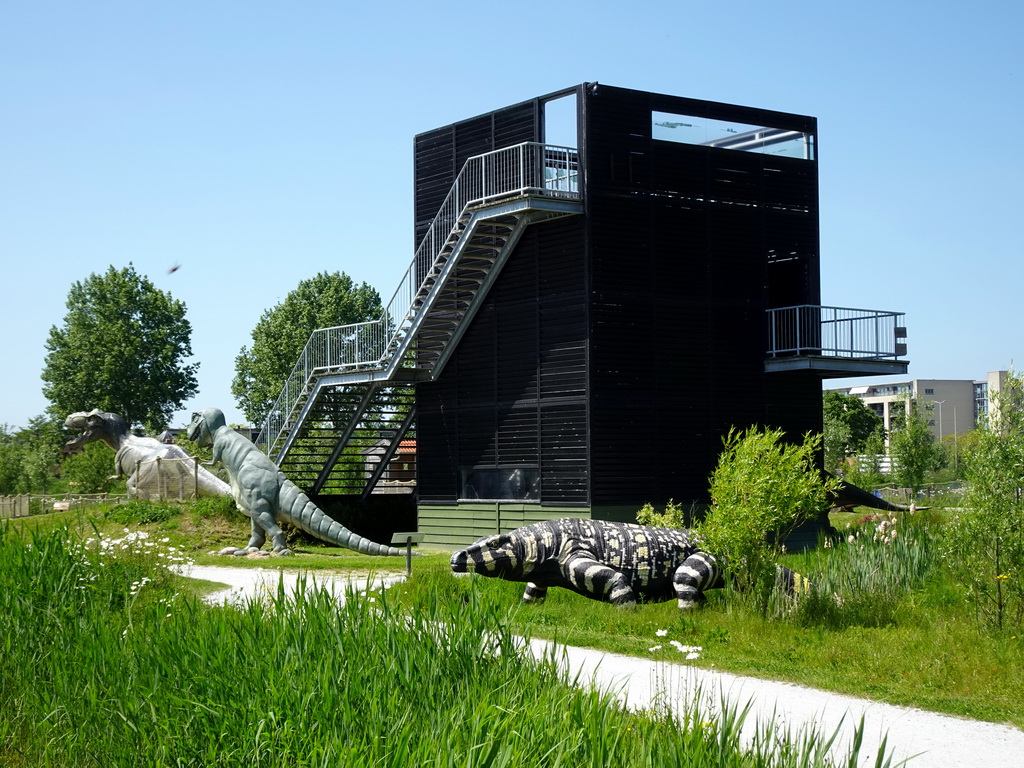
{"x": 500, "y": 483}
{"x": 687, "y": 129}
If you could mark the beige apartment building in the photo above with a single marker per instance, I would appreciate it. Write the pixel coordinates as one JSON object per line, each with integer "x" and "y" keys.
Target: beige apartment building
{"x": 954, "y": 406}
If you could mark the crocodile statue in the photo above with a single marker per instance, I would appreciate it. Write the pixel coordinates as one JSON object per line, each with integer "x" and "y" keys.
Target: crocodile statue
{"x": 130, "y": 451}
{"x": 263, "y": 494}
{"x": 617, "y": 563}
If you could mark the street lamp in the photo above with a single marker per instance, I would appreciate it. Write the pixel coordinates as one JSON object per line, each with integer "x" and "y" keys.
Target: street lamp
{"x": 940, "y": 402}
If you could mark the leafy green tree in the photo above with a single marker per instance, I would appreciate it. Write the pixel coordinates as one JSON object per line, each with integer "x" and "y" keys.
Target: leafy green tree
{"x": 29, "y": 457}
{"x": 121, "y": 348}
{"x": 761, "y": 489}
{"x": 11, "y": 456}
{"x": 848, "y": 424}
{"x": 912, "y": 447}
{"x": 868, "y": 469}
{"x": 323, "y": 301}
{"x": 984, "y": 543}
{"x": 91, "y": 470}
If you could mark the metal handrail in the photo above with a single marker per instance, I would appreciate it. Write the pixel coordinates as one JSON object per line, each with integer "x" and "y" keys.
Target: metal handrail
{"x": 841, "y": 332}
{"x": 529, "y": 168}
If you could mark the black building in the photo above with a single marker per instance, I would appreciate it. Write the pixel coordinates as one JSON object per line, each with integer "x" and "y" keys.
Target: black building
{"x": 610, "y": 310}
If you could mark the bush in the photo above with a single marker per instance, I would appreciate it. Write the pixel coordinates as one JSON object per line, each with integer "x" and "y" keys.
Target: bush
{"x": 90, "y": 471}
{"x": 760, "y": 491}
{"x": 672, "y": 517}
{"x": 984, "y": 545}
{"x": 215, "y": 508}
{"x": 138, "y": 512}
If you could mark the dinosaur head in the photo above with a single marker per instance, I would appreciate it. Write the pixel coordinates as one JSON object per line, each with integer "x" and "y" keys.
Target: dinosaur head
{"x": 94, "y": 425}
{"x": 501, "y": 555}
{"x": 204, "y": 423}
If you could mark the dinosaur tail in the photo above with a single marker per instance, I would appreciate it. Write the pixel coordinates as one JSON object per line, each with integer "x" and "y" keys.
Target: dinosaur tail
{"x": 298, "y": 510}
{"x": 850, "y": 495}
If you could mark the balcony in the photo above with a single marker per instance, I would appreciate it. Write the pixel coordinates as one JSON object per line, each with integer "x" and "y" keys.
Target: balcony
{"x": 836, "y": 342}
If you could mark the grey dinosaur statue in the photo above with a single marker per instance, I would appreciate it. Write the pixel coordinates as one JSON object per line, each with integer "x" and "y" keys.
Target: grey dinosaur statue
{"x": 617, "y": 563}
{"x": 264, "y": 494}
{"x": 131, "y": 450}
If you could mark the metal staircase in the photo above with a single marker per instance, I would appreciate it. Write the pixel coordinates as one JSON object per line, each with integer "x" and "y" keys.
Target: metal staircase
{"x": 349, "y": 400}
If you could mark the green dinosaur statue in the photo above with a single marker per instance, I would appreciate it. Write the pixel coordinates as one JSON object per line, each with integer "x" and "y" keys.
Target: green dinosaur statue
{"x": 264, "y": 494}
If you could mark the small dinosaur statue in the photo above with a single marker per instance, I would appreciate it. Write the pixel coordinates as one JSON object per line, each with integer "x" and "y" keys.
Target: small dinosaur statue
{"x": 264, "y": 494}
{"x": 613, "y": 562}
{"x": 112, "y": 430}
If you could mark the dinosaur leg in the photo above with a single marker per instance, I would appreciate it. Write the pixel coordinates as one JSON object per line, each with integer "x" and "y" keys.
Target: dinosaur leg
{"x": 131, "y": 486}
{"x": 697, "y": 573}
{"x": 598, "y": 580}
{"x": 534, "y": 593}
{"x": 258, "y": 538}
{"x": 262, "y": 514}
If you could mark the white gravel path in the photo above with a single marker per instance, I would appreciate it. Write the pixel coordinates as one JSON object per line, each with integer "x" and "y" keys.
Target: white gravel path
{"x": 931, "y": 740}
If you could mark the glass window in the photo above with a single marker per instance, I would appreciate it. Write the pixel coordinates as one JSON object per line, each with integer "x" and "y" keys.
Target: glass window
{"x": 686, "y": 129}
{"x": 500, "y": 483}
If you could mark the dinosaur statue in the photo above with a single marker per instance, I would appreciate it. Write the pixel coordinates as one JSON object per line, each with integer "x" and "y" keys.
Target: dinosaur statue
{"x": 130, "y": 450}
{"x": 263, "y": 494}
{"x": 602, "y": 560}
{"x": 849, "y": 496}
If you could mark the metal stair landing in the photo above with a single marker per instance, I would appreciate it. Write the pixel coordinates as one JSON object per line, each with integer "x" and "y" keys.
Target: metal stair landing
{"x": 349, "y": 400}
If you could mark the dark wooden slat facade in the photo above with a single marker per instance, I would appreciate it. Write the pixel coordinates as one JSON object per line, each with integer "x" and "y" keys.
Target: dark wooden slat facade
{"x": 617, "y": 348}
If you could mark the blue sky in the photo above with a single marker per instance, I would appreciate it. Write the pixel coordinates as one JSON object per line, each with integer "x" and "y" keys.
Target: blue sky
{"x": 256, "y": 144}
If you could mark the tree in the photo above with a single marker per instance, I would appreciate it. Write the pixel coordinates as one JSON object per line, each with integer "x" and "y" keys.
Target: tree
{"x": 29, "y": 456}
{"x": 984, "y": 543}
{"x": 10, "y": 461}
{"x": 912, "y": 447}
{"x": 848, "y": 424}
{"x": 761, "y": 490}
{"x": 868, "y": 469}
{"x": 91, "y": 470}
{"x": 323, "y": 301}
{"x": 121, "y": 349}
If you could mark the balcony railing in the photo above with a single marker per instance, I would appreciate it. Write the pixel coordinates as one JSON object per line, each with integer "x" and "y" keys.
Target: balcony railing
{"x": 836, "y": 332}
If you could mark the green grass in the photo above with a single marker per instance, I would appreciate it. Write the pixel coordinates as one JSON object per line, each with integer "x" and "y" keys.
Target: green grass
{"x": 105, "y": 668}
{"x": 904, "y": 634}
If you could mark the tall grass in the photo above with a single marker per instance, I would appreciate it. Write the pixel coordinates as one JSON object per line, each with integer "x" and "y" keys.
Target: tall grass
{"x": 862, "y": 577}
{"x": 111, "y": 670}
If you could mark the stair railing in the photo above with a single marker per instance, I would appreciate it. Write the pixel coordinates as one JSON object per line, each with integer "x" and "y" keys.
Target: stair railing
{"x": 529, "y": 168}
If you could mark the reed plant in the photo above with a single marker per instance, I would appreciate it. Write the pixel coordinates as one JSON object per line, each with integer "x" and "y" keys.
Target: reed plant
{"x": 861, "y": 577}
{"x": 154, "y": 677}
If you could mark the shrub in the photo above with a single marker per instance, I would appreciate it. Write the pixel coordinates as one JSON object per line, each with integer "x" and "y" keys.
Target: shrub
{"x": 138, "y": 512}
{"x": 215, "y": 508}
{"x": 673, "y": 517}
{"x": 760, "y": 491}
{"x": 984, "y": 545}
{"x": 90, "y": 471}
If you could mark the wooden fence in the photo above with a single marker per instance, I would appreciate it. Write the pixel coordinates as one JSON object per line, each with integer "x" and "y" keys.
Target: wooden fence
{"x": 25, "y": 505}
